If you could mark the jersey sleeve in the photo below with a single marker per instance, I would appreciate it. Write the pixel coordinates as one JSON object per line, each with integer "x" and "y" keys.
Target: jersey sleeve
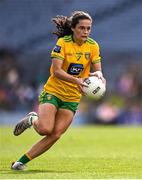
{"x": 58, "y": 50}
{"x": 95, "y": 57}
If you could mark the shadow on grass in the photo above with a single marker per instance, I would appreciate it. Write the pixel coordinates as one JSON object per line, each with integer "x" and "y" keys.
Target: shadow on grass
{"x": 33, "y": 171}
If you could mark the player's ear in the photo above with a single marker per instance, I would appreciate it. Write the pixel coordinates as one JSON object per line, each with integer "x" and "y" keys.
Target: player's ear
{"x": 72, "y": 29}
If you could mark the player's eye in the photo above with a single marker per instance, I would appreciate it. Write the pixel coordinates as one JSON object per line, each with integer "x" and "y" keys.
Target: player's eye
{"x": 85, "y": 28}
{"x": 82, "y": 27}
{"x": 88, "y": 28}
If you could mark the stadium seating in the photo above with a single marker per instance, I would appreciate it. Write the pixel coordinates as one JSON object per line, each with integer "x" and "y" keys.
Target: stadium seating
{"x": 28, "y": 23}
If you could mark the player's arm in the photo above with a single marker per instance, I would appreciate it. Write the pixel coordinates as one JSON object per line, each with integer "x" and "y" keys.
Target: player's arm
{"x": 98, "y": 71}
{"x": 58, "y": 56}
{"x": 97, "y": 67}
{"x": 96, "y": 62}
{"x": 61, "y": 74}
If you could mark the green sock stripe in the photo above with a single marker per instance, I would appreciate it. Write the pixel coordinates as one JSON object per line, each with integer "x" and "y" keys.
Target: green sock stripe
{"x": 24, "y": 159}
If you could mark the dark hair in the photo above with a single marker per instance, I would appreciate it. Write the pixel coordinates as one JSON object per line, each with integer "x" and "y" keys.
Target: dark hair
{"x": 64, "y": 23}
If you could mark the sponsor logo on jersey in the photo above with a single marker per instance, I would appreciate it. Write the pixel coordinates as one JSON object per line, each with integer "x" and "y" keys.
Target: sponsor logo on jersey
{"x": 57, "y": 49}
{"x": 75, "y": 69}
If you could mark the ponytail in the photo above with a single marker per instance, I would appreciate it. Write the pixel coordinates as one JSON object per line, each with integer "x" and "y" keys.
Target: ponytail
{"x": 64, "y": 23}
{"x": 63, "y": 26}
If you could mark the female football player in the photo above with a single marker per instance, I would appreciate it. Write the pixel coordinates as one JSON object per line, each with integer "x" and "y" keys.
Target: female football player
{"x": 72, "y": 57}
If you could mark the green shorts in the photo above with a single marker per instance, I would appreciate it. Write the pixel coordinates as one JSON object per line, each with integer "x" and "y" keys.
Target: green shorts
{"x": 49, "y": 98}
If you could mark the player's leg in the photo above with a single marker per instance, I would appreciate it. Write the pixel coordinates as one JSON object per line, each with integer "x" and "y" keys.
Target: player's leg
{"x": 33, "y": 119}
{"x": 62, "y": 121}
{"x": 45, "y": 125}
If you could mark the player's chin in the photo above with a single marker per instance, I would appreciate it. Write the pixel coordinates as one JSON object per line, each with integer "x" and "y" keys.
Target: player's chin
{"x": 84, "y": 39}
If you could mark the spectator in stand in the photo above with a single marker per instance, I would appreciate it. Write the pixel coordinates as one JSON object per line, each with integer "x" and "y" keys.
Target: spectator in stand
{"x": 9, "y": 78}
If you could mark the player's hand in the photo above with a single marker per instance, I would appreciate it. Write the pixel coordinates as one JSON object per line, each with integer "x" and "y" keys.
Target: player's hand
{"x": 80, "y": 83}
{"x": 98, "y": 74}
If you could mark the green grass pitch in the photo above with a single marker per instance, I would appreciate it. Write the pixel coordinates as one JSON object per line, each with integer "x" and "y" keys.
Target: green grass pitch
{"x": 87, "y": 152}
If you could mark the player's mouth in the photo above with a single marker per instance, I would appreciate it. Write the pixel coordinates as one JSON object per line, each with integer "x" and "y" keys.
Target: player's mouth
{"x": 84, "y": 36}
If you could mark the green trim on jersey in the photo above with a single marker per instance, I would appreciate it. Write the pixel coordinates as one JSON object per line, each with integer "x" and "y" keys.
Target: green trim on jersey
{"x": 96, "y": 61}
{"x": 91, "y": 41}
{"x": 59, "y": 57}
{"x": 67, "y": 38}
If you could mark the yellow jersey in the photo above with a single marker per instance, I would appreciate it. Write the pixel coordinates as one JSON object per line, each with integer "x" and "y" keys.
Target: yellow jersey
{"x": 76, "y": 62}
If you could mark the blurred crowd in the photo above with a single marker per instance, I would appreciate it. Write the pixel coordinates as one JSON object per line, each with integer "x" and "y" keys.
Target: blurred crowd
{"x": 15, "y": 92}
{"x": 122, "y": 105}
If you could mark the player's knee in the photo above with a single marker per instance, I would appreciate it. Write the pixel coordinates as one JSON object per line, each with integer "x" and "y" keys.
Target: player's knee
{"x": 56, "y": 135}
{"x": 44, "y": 130}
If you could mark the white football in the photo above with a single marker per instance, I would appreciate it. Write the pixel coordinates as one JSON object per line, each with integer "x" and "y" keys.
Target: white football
{"x": 96, "y": 88}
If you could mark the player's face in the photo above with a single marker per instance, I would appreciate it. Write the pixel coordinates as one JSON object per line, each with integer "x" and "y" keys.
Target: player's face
{"x": 82, "y": 31}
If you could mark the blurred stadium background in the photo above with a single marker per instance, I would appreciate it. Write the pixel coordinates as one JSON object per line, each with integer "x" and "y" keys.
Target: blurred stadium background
{"x": 26, "y": 41}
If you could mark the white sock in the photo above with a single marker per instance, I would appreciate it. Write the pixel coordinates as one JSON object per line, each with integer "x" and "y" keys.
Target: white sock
{"x": 32, "y": 118}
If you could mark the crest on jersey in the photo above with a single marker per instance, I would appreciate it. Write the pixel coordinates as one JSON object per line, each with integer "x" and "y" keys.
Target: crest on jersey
{"x": 49, "y": 96}
{"x": 87, "y": 55}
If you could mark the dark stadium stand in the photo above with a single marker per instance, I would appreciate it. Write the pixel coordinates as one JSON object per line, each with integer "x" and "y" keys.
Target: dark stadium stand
{"x": 27, "y": 25}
